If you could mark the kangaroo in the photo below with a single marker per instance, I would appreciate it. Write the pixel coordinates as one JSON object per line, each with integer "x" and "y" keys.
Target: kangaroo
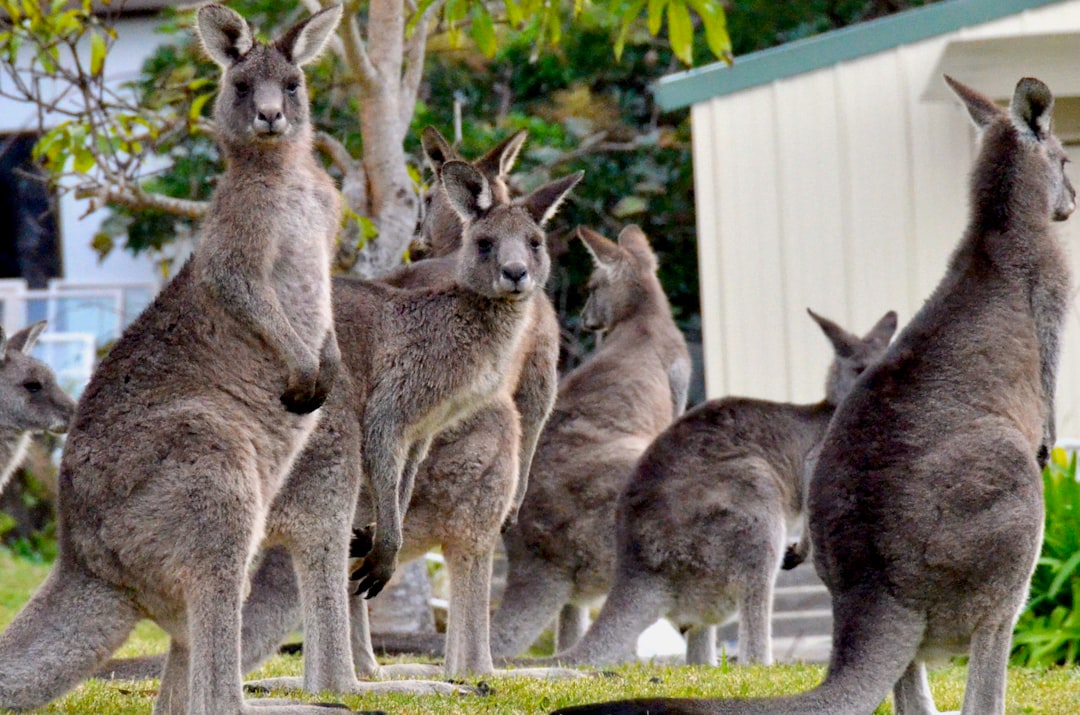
{"x": 925, "y": 506}
{"x": 30, "y": 399}
{"x": 608, "y": 410}
{"x": 417, "y": 360}
{"x": 190, "y": 424}
{"x": 701, "y": 523}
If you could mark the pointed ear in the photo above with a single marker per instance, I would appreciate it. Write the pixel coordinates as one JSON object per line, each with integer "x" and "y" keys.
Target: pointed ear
{"x": 467, "y": 189}
{"x": 883, "y": 331}
{"x": 3, "y": 345}
{"x": 844, "y": 344}
{"x": 500, "y": 159}
{"x": 305, "y": 40}
{"x": 634, "y": 241}
{"x": 437, "y": 150}
{"x": 24, "y": 340}
{"x": 604, "y": 251}
{"x": 543, "y": 203}
{"x": 225, "y": 35}
{"x": 1032, "y": 107}
{"x": 982, "y": 109}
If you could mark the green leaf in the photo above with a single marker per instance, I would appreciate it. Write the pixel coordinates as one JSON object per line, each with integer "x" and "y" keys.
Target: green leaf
{"x": 483, "y": 31}
{"x": 102, "y": 243}
{"x": 656, "y": 15}
{"x": 97, "y": 54}
{"x": 84, "y": 160}
{"x": 197, "y": 104}
{"x": 715, "y": 23}
{"x": 514, "y": 14}
{"x": 629, "y": 15}
{"x": 680, "y": 31}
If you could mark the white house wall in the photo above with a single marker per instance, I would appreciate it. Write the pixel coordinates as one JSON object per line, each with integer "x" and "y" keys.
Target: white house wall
{"x": 842, "y": 191}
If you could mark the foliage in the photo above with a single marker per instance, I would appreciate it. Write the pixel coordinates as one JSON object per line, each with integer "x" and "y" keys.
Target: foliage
{"x": 1048, "y": 632}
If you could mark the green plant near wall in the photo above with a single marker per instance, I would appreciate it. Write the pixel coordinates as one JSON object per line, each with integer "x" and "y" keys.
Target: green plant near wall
{"x": 1048, "y": 632}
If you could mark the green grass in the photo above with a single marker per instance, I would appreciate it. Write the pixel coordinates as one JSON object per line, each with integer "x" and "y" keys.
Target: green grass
{"x": 1046, "y": 692}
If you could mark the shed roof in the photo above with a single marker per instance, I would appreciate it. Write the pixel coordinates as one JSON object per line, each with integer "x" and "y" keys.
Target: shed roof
{"x": 718, "y": 79}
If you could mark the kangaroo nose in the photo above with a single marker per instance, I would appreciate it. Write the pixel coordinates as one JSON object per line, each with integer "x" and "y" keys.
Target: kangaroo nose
{"x": 514, "y": 271}
{"x": 264, "y": 116}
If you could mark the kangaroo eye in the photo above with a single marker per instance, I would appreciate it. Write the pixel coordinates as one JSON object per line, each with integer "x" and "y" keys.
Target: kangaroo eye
{"x": 484, "y": 246}
{"x": 32, "y": 386}
{"x": 536, "y": 244}
{"x": 242, "y": 89}
{"x": 291, "y": 87}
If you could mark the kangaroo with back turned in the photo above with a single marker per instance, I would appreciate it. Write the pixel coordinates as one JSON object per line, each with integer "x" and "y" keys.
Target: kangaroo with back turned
{"x": 190, "y": 424}
{"x": 701, "y": 523}
{"x": 561, "y": 552}
{"x": 30, "y": 399}
{"x": 925, "y": 505}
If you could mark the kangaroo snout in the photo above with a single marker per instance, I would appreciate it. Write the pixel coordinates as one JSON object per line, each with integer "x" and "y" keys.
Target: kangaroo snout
{"x": 514, "y": 278}
{"x": 270, "y": 122}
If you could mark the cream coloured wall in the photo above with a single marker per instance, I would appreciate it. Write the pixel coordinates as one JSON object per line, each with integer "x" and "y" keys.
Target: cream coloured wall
{"x": 842, "y": 190}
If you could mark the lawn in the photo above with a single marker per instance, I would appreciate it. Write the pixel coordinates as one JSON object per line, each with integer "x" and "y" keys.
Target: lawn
{"x": 1046, "y": 692}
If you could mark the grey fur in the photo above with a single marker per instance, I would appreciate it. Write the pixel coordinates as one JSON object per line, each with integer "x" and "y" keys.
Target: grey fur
{"x": 562, "y": 551}
{"x": 30, "y": 399}
{"x": 701, "y": 523}
{"x": 189, "y": 426}
{"x": 926, "y": 506}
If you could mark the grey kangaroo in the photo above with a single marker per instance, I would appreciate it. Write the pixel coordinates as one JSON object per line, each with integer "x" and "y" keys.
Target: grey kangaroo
{"x": 190, "y": 424}
{"x": 562, "y": 550}
{"x": 701, "y": 523}
{"x": 417, "y": 360}
{"x": 30, "y": 399}
{"x": 925, "y": 506}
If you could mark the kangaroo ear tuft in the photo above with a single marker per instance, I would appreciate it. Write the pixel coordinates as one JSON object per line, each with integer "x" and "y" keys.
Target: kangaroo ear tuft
{"x": 844, "y": 344}
{"x": 634, "y": 241}
{"x": 467, "y": 189}
{"x": 437, "y": 150}
{"x": 883, "y": 330}
{"x": 25, "y": 339}
{"x": 224, "y": 33}
{"x": 982, "y": 109}
{"x": 1032, "y": 107}
{"x": 603, "y": 250}
{"x": 500, "y": 159}
{"x": 304, "y": 41}
{"x": 543, "y": 203}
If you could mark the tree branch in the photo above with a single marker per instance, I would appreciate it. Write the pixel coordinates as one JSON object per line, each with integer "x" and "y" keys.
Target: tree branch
{"x": 415, "y": 48}
{"x": 353, "y": 50}
{"x": 335, "y": 151}
{"x": 138, "y": 199}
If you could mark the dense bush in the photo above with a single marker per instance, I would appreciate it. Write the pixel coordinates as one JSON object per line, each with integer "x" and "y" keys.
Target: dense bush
{"x": 1048, "y": 632}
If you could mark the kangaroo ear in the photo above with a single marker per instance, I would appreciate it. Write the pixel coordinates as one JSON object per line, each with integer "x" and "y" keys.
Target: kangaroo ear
{"x": 305, "y": 40}
{"x": 3, "y": 345}
{"x": 844, "y": 344}
{"x": 224, "y": 34}
{"x": 634, "y": 241}
{"x": 883, "y": 331}
{"x": 1032, "y": 107}
{"x": 500, "y": 159}
{"x": 982, "y": 109}
{"x": 543, "y": 203}
{"x": 467, "y": 189}
{"x": 24, "y": 340}
{"x": 604, "y": 251}
{"x": 437, "y": 150}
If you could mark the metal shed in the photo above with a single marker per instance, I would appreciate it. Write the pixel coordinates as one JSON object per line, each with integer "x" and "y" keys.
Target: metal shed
{"x": 831, "y": 173}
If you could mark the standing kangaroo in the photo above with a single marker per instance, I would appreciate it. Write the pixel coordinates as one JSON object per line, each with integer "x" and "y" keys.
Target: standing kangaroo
{"x": 417, "y": 360}
{"x": 702, "y": 522}
{"x": 562, "y": 550}
{"x": 925, "y": 506}
{"x": 189, "y": 426}
{"x": 30, "y": 399}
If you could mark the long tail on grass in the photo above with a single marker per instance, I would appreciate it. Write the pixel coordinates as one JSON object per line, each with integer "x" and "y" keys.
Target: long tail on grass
{"x": 71, "y": 625}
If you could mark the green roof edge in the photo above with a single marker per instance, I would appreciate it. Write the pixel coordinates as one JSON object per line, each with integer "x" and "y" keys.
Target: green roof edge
{"x": 716, "y": 80}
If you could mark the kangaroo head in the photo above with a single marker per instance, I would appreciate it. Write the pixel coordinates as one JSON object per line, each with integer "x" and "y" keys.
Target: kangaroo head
{"x": 852, "y": 354}
{"x": 503, "y": 245}
{"x": 440, "y": 227}
{"x": 30, "y": 399}
{"x": 623, "y": 278}
{"x": 262, "y": 97}
{"x": 1023, "y": 133}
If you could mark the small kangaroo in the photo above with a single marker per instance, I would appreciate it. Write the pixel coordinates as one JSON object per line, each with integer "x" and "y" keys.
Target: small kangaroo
{"x": 608, "y": 410}
{"x": 417, "y": 360}
{"x": 925, "y": 506}
{"x": 30, "y": 399}
{"x": 701, "y": 524}
{"x": 190, "y": 424}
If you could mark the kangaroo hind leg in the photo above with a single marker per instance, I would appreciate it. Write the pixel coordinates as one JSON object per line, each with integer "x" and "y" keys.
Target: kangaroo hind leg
{"x": 71, "y": 625}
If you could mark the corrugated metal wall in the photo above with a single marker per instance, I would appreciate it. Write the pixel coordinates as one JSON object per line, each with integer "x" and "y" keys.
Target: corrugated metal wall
{"x": 843, "y": 191}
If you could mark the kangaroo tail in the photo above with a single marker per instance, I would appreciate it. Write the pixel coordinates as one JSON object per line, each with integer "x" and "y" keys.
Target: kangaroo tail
{"x": 872, "y": 646}
{"x": 73, "y": 623}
